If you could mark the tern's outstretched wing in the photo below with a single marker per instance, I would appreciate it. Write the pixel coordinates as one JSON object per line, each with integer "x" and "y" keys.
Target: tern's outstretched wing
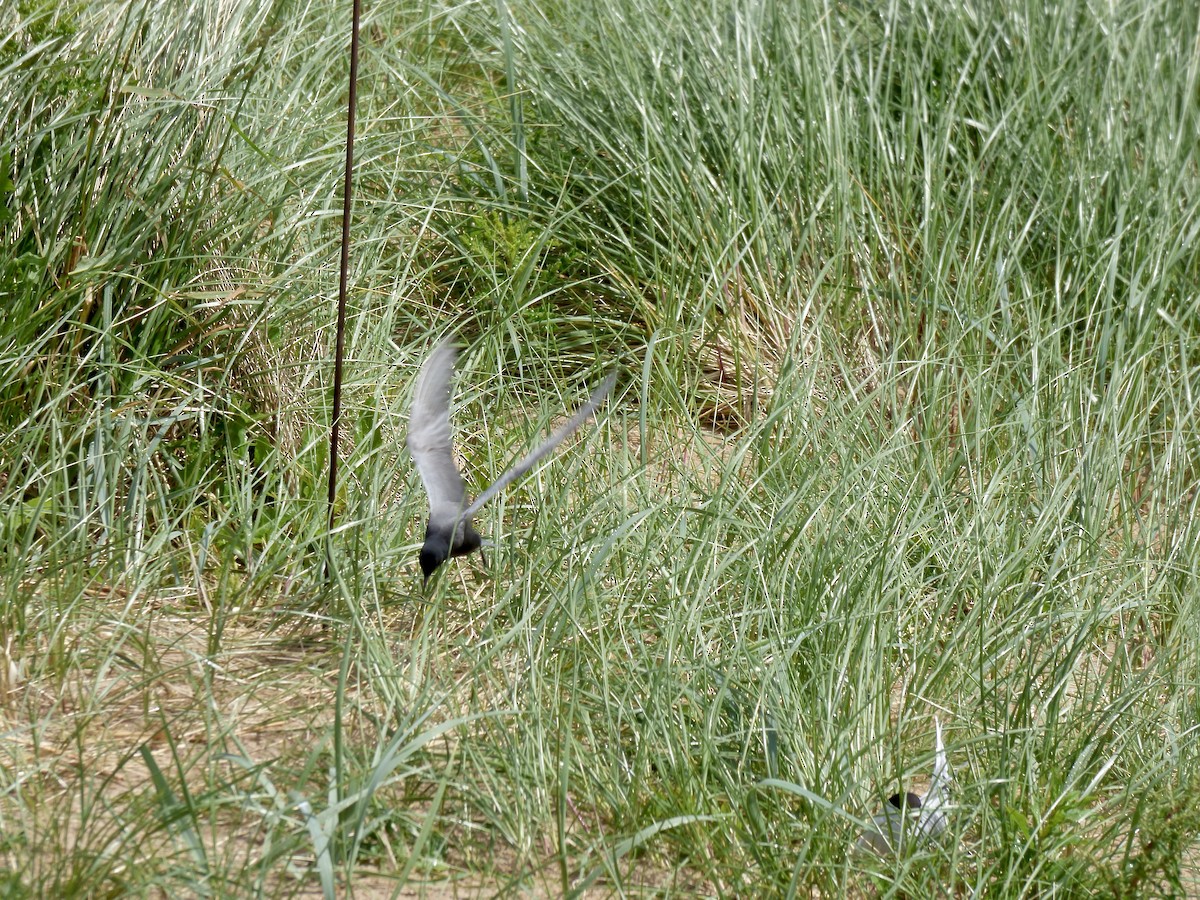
{"x": 429, "y": 438}
{"x": 545, "y": 448}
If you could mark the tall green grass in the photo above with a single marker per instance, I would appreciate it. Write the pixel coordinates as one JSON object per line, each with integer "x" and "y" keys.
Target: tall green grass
{"x": 904, "y": 300}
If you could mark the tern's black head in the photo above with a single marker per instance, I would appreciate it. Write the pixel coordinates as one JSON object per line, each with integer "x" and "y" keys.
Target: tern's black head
{"x": 434, "y": 552}
{"x": 905, "y": 801}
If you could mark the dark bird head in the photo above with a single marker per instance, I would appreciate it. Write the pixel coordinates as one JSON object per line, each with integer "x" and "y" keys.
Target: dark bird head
{"x": 434, "y": 552}
{"x": 907, "y": 800}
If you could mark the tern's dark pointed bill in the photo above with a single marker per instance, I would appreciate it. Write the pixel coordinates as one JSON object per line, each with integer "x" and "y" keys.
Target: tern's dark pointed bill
{"x": 449, "y": 531}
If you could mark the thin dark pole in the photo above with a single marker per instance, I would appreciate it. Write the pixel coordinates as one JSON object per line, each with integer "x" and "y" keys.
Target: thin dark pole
{"x": 335, "y": 425}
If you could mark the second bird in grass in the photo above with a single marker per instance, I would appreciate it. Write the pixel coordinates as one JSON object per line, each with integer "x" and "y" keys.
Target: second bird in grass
{"x": 449, "y": 531}
{"x": 909, "y": 817}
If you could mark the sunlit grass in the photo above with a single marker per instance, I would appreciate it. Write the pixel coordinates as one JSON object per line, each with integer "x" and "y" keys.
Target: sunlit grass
{"x": 904, "y": 303}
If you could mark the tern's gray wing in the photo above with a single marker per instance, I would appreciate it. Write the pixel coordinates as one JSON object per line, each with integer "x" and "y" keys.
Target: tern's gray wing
{"x": 942, "y": 777}
{"x": 429, "y": 439}
{"x": 933, "y": 816}
{"x": 546, "y": 447}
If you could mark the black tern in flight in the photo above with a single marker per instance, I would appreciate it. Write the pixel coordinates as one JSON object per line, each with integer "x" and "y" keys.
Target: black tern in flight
{"x": 908, "y": 817}
{"x": 449, "y": 531}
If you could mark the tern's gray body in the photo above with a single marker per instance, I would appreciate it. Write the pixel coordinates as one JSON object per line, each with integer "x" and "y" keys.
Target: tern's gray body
{"x": 910, "y": 817}
{"x": 449, "y": 531}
